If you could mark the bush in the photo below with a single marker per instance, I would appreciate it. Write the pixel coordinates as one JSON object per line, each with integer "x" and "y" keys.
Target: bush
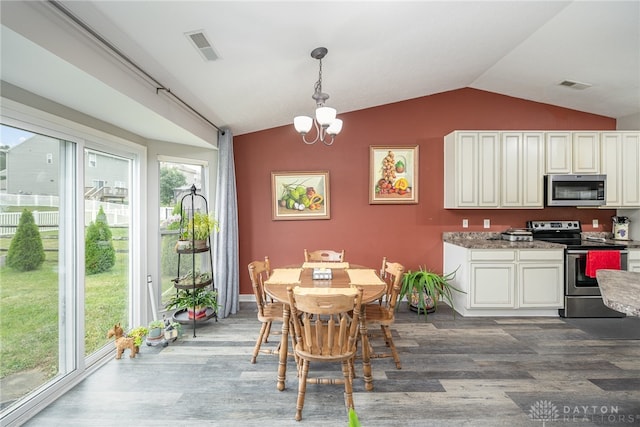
{"x": 26, "y": 252}
{"x": 99, "y": 252}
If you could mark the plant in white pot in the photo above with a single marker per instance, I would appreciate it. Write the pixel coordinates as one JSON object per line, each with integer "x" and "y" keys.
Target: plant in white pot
{"x": 423, "y": 289}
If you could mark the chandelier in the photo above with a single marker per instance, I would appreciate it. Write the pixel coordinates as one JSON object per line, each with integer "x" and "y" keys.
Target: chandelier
{"x": 325, "y": 121}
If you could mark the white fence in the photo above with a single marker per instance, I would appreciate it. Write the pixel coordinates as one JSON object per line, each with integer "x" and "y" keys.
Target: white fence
{"x": 117, "y": 214}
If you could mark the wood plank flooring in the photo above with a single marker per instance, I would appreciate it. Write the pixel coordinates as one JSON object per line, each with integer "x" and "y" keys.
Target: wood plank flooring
{"x": 455, "y": 372}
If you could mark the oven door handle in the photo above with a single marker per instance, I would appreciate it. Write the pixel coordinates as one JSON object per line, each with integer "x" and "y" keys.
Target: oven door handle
{"x": 584, "y": 252}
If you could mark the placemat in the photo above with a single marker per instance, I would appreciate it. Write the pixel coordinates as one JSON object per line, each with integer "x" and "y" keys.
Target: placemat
{"x": 324, "y": 291}
{"x": 362, "y": 276}
{"x": 341, "y": 265}
{"x": 284, "y": 276}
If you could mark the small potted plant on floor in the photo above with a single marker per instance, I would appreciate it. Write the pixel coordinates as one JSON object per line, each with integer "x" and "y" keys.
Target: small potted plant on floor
{"x": 138, "y": 335}
{"x": 156, "y": 329}
{"x": 423, "y": 289}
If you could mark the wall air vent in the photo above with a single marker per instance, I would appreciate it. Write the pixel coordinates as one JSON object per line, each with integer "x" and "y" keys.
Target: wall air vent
{"x": 575, "y": 85}
{"x": 202, "y": 45}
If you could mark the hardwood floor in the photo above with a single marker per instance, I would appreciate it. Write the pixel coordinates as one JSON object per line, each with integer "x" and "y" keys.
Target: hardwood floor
{"x": 455, "y": 372}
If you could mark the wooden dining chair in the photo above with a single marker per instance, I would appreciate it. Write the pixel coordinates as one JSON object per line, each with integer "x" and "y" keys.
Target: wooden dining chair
{"x": 324, "y": 255}
{"x": 269, "y": 311}
{"x": 382, "y": 312}
{"x": 326, "y": 328}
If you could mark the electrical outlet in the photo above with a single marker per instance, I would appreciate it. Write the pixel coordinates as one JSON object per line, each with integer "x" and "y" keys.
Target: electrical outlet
{"x": 487, "y": 223}
{"x": 595, "y": 223}
{"x": 465, "y": 223}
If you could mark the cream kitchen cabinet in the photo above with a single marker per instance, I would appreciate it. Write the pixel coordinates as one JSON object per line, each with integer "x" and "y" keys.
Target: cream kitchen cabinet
{"x": 620, "y": 160}
{"x": 572, "y": 152}
{"x": 540, "y": 278}
{"x": 506, "y": 282}
{"x": 492, "y": 279}
{"x": 633, "y": 260}
{"x": 472, "y": 170}
{"x": 522, "y": 174}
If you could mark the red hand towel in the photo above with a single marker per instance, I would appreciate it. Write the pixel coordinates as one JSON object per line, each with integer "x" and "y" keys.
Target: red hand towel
{"x": 597, "y": 260}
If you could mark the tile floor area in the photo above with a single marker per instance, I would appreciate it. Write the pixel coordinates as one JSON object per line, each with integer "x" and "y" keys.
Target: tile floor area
{"x": 455, "y": 372}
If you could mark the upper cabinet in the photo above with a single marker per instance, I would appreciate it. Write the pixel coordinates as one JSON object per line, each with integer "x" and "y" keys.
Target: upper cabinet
{"x": 620, "y": 160}
{"x": 493, "y": 170}
{"x": 572, "y": 152}
{"x": 471, "y": 169}
{"x": 522, "y": 155}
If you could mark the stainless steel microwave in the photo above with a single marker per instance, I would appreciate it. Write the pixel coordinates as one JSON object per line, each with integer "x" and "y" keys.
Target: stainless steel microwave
{"x": 575, "y": 190}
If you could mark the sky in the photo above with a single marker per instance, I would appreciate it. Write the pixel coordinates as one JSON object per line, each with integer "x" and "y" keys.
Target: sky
{"x": 12, "y": 136}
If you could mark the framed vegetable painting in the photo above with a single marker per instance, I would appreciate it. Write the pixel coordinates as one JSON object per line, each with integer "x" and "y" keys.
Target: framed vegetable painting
{"x": 393, "y": 174}
{"x": 300, "y": 195}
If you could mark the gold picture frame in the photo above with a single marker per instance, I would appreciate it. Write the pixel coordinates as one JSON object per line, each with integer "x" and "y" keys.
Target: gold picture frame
{"x": 291, "y": 190}
{"x": 393, "y": 174}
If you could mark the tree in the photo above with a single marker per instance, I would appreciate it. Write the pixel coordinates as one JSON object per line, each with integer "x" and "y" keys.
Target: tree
{"x": 26, "y": 252}
{"x": 99, "y": 252}
{"x": 170, "y": 179}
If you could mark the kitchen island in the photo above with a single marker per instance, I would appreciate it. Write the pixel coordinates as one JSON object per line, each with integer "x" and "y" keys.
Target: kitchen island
{"x": 620, "y": 290}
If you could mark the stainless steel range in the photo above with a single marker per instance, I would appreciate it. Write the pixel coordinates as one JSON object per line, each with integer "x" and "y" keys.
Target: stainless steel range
{"x": 582, "y": 296}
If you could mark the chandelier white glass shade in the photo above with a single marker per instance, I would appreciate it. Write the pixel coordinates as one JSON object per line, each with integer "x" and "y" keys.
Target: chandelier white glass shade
{"x": 325, "y": 120}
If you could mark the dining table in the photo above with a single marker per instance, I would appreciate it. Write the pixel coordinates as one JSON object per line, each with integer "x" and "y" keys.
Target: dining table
{"x": 343, "y": 275}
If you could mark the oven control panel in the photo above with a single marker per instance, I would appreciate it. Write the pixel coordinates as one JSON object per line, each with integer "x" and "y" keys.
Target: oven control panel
{"x": 554, "y": 225}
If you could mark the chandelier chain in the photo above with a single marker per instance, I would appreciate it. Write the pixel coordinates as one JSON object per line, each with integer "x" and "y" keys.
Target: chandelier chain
{"x": 318, "y": 87}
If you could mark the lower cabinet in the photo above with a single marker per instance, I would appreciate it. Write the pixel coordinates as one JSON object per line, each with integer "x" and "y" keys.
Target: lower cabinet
{"x": 506, "y": 282}
{"x": 633, "y": 260}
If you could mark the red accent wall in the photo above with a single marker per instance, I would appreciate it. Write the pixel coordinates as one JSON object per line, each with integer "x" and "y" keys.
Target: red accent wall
{"x": 409, "y": 234}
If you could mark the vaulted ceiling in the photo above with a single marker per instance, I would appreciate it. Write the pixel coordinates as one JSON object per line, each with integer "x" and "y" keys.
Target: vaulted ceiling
{"x": 379, "y": 53}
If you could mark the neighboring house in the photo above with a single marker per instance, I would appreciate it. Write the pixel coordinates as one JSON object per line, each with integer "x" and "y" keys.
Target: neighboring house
{"x": 32, "y": 168}
{"x": 106, "y": 177}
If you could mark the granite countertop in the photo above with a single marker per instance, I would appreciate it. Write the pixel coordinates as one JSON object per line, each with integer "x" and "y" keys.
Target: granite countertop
{"x": 620, "y": 290}
{"x": 493, "y": 240}
{"x": 488, "y": 240}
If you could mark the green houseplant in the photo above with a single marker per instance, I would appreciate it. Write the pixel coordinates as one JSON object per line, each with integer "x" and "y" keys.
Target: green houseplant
{"x": 138, "y": 335}
{"x": 197, "y": 229}
{"x": 423, "y": 289}
{"x": 156, "y": 329}
{"x": 195, "y": 301}
{"x": 200, "y": 226}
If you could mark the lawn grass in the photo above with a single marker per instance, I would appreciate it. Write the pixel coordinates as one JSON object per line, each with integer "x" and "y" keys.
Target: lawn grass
{"x": 29, "y": 308}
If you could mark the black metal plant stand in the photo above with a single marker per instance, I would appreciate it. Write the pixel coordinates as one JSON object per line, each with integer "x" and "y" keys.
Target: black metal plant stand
{"x": 182, "y": 316}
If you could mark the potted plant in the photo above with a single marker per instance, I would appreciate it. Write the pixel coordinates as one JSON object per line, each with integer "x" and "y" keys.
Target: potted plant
{"x": 423, "y": 289}
{"x": 198, "y": 278}
{"x": 195, "y": 301}
{"x": 138, "y": 335}
{"x": 199, "y": 227}
{"x": 156, "y": 329}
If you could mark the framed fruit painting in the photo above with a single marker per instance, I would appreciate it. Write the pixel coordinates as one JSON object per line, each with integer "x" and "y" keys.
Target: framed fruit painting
{"x": 393, "y": 174}
{"x": 300, "y": 195}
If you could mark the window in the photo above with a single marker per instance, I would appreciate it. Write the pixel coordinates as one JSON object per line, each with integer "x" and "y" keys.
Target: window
{"x": 93, "y": 160}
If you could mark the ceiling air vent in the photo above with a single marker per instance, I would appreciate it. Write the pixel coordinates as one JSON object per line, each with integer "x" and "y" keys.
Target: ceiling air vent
{"x": 202, "y": 45}
{"x": 575, "y": 85}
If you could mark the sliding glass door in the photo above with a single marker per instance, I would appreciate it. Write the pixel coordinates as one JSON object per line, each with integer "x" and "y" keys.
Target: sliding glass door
{"x": 67, "y": 210}
{"x": 37, "y": 258}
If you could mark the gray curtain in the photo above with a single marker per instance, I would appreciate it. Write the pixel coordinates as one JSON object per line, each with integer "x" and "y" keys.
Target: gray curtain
{"x": 225, "y": 246}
